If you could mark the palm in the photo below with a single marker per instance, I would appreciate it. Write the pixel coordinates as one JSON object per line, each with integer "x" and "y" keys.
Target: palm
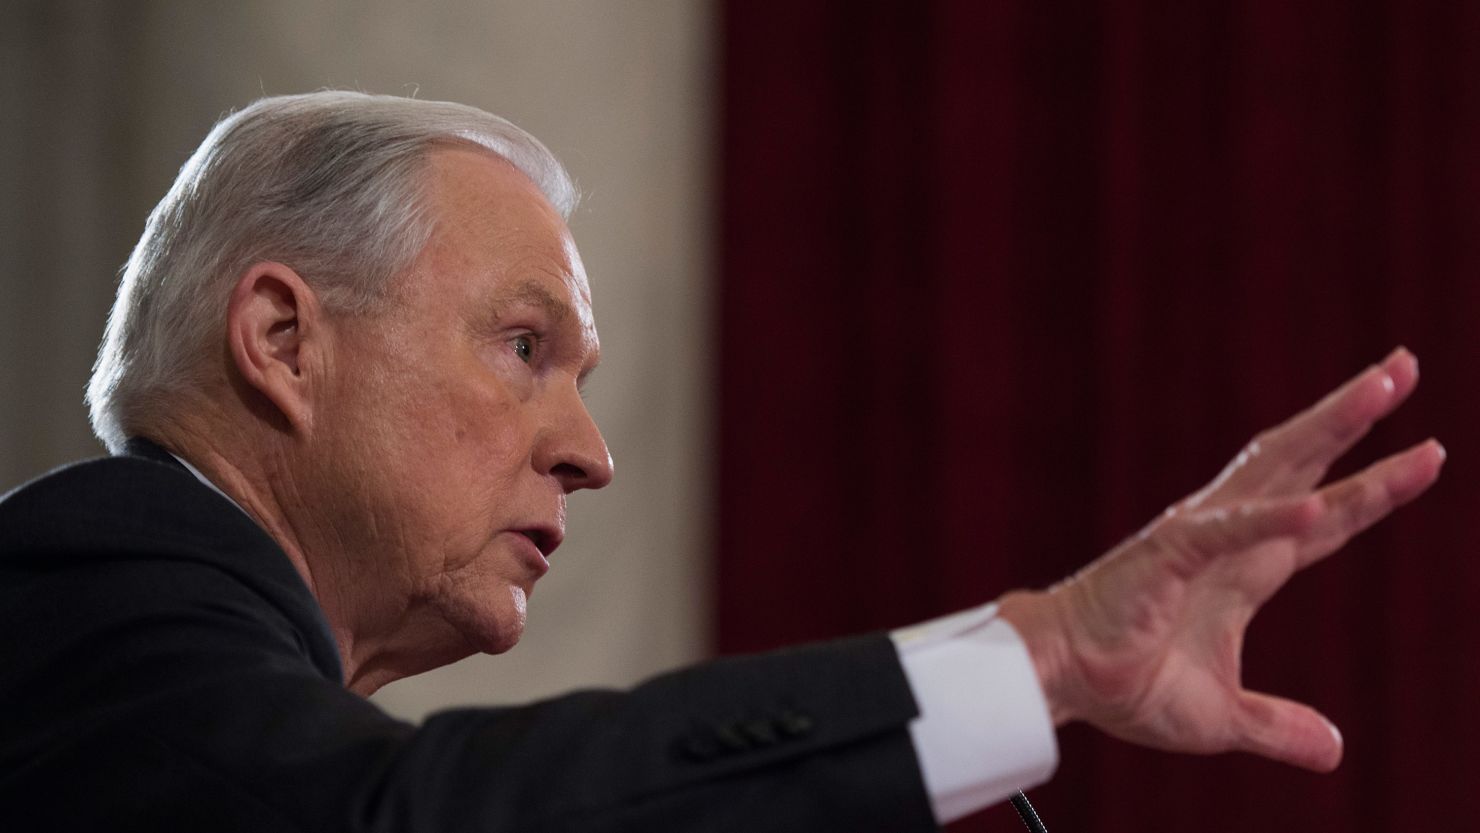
{"x": 1176, "y": 669}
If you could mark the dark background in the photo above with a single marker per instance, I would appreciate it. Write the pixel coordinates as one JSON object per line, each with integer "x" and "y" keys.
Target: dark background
{"x": 1001, "y": 280}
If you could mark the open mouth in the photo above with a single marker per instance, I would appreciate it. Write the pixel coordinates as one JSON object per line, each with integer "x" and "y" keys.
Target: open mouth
{"x": 542, "y": 540}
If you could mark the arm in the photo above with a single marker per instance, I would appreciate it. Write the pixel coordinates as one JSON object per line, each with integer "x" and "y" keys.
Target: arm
{"x": 183, "y": 703}
{"x": 165, "y": 669}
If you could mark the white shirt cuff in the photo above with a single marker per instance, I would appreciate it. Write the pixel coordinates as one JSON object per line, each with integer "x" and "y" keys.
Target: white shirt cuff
{"x": 984, "y": 730}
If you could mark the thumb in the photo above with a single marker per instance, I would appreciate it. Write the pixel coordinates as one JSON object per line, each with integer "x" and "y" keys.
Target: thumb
{"x": 1287, "y": 731}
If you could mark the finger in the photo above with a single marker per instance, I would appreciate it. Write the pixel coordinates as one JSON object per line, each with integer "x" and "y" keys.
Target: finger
{"x": 1294, "y": 456}
{"x": 1351, "y": 505}
{"x": 1402, "y": 367}
{"x": 1218, "y": 532}
{"x": 1286, "y": 731}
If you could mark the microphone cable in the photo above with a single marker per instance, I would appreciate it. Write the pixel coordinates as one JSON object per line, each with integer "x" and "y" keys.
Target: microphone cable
{"x": 1028, "y": 814}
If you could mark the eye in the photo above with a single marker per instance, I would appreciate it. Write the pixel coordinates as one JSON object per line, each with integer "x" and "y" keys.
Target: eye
{"x": 524, "y": 348}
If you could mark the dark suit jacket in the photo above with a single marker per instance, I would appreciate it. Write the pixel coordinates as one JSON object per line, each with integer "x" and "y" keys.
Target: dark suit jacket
{"x": 165, "y": 668}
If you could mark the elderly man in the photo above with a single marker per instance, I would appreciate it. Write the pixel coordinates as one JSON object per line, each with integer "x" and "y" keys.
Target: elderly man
{"x": 342, "y": 386}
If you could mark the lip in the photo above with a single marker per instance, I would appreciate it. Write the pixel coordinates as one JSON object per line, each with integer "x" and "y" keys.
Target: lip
{"x": 536, "y": 543}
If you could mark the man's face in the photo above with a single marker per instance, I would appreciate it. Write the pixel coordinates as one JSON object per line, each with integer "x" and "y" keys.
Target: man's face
{"x": 455, "y": 427}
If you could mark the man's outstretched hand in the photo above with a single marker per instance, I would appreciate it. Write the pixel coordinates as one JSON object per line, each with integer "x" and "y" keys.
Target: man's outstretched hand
{"x": 1145, "y": 643}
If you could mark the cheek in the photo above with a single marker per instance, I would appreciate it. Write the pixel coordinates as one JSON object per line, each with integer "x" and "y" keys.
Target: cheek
{"x": 487, "y": 433}
{"x": 468, "y": 468}
{"x": 446, "y": 453}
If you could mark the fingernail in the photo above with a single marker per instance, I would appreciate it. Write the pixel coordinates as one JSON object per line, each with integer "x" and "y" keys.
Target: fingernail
{"x": 1335, "y": 732}
{"x": 1438, "y": 446}
{"x": 1397, "y": 353}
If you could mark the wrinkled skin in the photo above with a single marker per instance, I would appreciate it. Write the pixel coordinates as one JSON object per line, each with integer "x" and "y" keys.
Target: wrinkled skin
{"x": 414, "y": 461}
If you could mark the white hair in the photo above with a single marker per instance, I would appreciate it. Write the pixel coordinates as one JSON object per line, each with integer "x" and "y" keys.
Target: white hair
{"x": 329, "y": 183}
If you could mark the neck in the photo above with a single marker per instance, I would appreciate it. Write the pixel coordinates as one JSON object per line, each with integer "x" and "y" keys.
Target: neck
{"x": 380, "y": 637}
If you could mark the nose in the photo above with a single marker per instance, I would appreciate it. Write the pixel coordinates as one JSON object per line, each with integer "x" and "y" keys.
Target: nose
{"x": 574, "y": 452}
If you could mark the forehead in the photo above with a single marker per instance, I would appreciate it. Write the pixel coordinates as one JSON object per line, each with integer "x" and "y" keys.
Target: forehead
{"x": 495, "y": 234}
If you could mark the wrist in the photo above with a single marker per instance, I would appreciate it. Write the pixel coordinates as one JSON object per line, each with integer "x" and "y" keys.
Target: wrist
{"x": 1034, "y": 615}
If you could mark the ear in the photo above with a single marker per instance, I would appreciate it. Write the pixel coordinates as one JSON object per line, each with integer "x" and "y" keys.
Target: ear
{"x": 273, "y": 328}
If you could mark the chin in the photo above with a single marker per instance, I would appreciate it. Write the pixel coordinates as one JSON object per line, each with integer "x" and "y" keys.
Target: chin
{"x": 490, "y": 625}
{"x": 496, "y": 641}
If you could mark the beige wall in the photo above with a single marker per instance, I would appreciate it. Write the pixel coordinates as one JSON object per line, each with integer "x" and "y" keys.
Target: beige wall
{"x": 101, "y": 102}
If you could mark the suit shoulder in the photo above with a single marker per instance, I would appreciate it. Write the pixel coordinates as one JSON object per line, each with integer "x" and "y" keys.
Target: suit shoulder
{"x": 129, "y": 515}
{"x": 116, "y": 502}
{"x": 106, "y": 472}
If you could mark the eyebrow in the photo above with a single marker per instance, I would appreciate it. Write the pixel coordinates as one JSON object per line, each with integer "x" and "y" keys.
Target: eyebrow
{"x": 531, "y": 293}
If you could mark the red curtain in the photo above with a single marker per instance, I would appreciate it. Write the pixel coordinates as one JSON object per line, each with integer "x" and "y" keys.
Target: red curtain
{"x": 1003, "y": 279}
